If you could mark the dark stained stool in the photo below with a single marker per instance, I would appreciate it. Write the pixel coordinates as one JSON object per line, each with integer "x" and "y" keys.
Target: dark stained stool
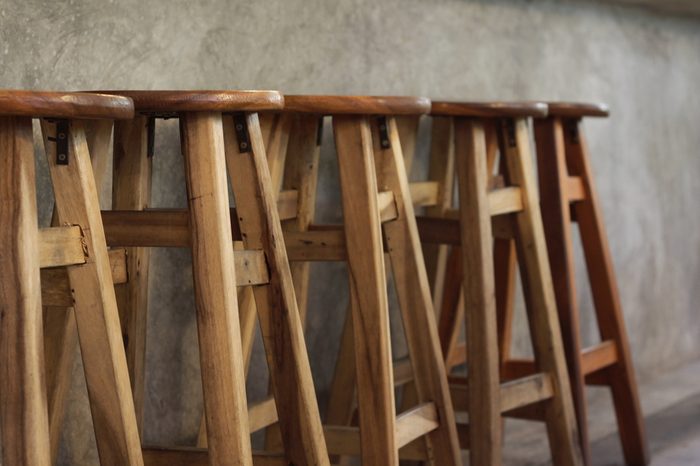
{"x": 220, "y": 134}
{"x": 77, "y": 249}
{"x": 377, "y": 210}
{"x": 497, "y": 200}
{"x": 569, "y": 196}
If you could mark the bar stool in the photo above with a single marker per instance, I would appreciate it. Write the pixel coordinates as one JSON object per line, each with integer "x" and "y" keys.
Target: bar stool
{"x": 377, "y": 209}
{"x": 497, "y": 200}
{"x": 220, "y": 130}
{"x": 568, "y": 196}
{"x": 78, "y": 245}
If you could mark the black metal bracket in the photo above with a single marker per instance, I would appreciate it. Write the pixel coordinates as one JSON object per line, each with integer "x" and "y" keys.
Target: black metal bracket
{"x": 572, "y": 128}
{"x": 319, "y": 131}
{"x": 510, "y": 132}
{"x": 240, "y": 125}
{"x": 61, "y": 140}
{"x": 150, "y": 136}
{"x": 384, "y": 140}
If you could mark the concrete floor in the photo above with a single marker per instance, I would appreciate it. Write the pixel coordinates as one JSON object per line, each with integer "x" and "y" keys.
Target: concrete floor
{"x": 672, "y": 405}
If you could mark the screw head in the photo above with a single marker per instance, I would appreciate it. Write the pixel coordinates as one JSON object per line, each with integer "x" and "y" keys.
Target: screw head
{"x": 239, "y": 127}
{"x": 62, "y": 157}
{"x": 244, "y": 145}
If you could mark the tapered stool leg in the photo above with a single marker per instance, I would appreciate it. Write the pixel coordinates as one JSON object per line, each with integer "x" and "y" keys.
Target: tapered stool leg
{"x": 23, "y": 406}
{"x": 368, "y": 295}
{"x": 413, "y": 290}
{"x": 539, "y": 295}
{"x": 258, "y": 219}
{"x": 479, "y": 292}
{"x": 131, "y": 190}
{"x": 214, "y": 277}
{"x": 95, "y": 302}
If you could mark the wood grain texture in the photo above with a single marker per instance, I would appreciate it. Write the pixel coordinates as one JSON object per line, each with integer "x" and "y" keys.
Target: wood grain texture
{"x": 485, "y": 434}
{"x": 217, "y": 308}
{"x": 24, "y": 423}
{"x": 488, "y": 109}
{"x": 368, "y": 292}
{"x": 131, "y": 190}
{"x": 165, "y": 101}
{"x": 413, "y": 290}
{"x": 71, "y": 105}
{"x": 96, "y": 312}
{"x": 578, "y": 109}
{"x": 281, "y": 328}
{"x": 356, "y": 105}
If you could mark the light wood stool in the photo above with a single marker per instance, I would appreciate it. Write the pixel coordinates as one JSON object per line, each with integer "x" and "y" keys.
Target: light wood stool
{"x": 568, "y": 195}
{"x": 219, "y": 130}
{"x": 76, "y": 248}
{"x": 377, "y": 209}
{"x": 496, "y": 200}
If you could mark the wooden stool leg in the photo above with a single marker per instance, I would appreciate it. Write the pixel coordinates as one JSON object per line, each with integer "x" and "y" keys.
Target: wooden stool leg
{"x": 60, "y": 331}
{"x": 290, "y": 372}
{"x": 539, "y": 296}
{"x": 413, "y": 290}
{"x": 23, "y": 406}
{"x": 607, "y": 301}
{"x": 301, "y": 174}
{"x": 553, "y": 179}
{"x": 215, "y": 292}
{"x": 131, "y": 190}
{"x": 479, "y": 292}
{"x": 505, "y": 262}
{"x": 96, "y": 312}
{"x": 368, "y": 293}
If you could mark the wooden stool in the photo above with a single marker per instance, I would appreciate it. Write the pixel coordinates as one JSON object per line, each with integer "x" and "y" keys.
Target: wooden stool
{"x": 502, "y": 205}
{"x": 220, "y": 130}
{"x": 78, "y": 246}
{"x": 377, "y": 208}
{"x": 568, "y": 195}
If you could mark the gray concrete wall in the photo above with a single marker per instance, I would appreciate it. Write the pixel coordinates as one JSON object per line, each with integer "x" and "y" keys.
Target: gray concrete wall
{"x": 646, "y": 157}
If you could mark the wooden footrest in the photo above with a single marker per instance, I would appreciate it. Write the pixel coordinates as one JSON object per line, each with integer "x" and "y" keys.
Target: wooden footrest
{"x": 415, "y": 423}
{"x": 515, "y": 394}
{"x": 251, "y": 269}
{"x": 155, "y": 456}
{"x": 593, "y": 359}
{"x": 61, "y": 246}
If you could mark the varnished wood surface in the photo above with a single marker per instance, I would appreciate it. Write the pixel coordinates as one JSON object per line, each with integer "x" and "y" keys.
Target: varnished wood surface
{"x": 64, "y": 105}
{"x": 489, "y": 109}
{"x": 357, "y": 105}
{"x": 578, "y": 109}
{"x": 202, "y": 101}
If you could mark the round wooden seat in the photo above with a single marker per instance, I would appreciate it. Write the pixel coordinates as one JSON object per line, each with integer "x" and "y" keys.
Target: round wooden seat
{"x": 70, "y": 105}
{"x": 357, "y": 105}
{"x": 202, "y": 101}
{"x": 576, "y": 109}
{"x": 489, "y": 109}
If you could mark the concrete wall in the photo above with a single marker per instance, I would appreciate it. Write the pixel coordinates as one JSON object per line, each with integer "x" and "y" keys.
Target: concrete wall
{"x": 645, "y": 65}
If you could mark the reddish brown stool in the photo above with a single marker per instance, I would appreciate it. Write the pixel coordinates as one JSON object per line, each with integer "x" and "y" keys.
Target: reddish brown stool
{"x": 569, "y": 196}
{"x": 496, "y": 200}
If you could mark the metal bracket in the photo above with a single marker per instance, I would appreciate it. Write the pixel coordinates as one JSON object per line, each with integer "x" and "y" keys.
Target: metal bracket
{"x": 150, "y": 136}
{"x": 384, "y": 140}
{"x": 61, "y": 140}
{"x": 510, "y": 132}
{"x": 241, "y": 127}
{"x": 319, "y": 131}
{"x": 573, "y": 132}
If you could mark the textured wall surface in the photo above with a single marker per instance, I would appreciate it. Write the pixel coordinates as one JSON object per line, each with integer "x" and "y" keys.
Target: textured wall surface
{"x": 646, "y": 156}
